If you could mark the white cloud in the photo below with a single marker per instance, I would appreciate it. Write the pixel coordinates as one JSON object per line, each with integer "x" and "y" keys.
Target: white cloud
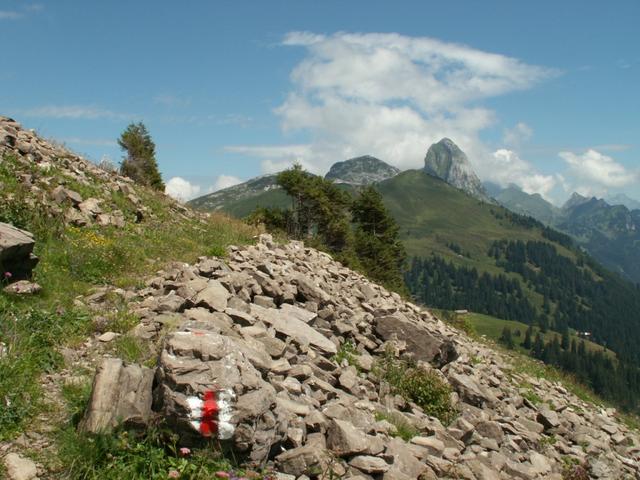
{"x": 84, "y": 112}
{"x": 390, "y": 96}
{"x": 9, "y": 15}
{"x": 516, "y": 136}
{"x": 601, "y": 169}
{"x": 168, "y": 100}
{"x": 94, "y": 142}
{"x": 509, "y": 168}
{"x": 224, "y": 181}
{"x": 181, "y": 189}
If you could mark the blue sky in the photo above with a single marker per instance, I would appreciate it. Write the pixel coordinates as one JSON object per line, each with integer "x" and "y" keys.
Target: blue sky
{"x": 541, "y": 94}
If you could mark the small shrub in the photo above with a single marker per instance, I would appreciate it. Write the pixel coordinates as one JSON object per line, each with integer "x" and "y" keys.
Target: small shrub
{"x": 425, "y": 388}
{"x": 574, "y": 470}
{"x": 404, "y": 429}
{"x": 347, "y": 351}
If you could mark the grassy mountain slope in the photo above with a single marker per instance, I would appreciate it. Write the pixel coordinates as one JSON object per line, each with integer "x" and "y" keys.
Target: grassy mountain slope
{"x": 434, "y": 215}
{"x": 240, "y": 200}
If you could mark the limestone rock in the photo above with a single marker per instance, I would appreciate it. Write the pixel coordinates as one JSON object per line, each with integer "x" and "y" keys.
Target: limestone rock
{"x": 16, "y": 252}
{"x": 420, "y": 342}
{"x": 121, "y": 394}
{"x": 19, "y": 467}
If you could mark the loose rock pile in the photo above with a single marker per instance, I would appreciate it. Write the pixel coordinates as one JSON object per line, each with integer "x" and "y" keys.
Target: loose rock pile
{"x": 48, "y": 174}
{"x": 251, "y": 356}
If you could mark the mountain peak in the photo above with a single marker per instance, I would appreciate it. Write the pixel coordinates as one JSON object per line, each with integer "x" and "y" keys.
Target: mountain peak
{"x": 363, "y": 170}
{"x": 575, "y": 200}
{"x": 448, "y": 162}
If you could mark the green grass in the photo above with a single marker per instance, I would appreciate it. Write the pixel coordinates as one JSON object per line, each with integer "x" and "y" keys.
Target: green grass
{"x": 73, "y": 261}
{"x": 152, "y": 455}
{"x": 492, "y": 327}
{"x": 404, "y": 429}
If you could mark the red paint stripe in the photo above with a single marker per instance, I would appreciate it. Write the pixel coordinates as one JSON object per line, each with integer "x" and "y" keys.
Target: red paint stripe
{"x": 210, "y": 409}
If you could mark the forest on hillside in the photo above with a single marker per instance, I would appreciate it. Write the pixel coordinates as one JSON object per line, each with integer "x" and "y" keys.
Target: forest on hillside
{"x": 576, "y": 294}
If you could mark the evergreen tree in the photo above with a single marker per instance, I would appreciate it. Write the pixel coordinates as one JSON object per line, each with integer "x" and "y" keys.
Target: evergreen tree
{"x": 526, "y": 344}
{"x": 506, "y": 338}
{"x": 377, "y": 242}
{"x": 140, "y": 162}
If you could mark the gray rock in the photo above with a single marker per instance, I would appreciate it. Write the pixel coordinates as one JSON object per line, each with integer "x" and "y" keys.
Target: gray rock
{"x": 213, "y": 297}
{"x": 548, "y": 418}
{"x": 121, "y": 394}
{"x": 19, "y": 467}
{"x": 196, "y": 363}
{"x": 304, "y": 460}
{"x": 63, "y": 195}
{"x": 369, "y": 464}
{"x": 471, "y": 392}
{"x": 421, "y": 343}
{"x": 23, "y": 287}
{"x": 16, "y": 252}
{"x": 344, "y": 439}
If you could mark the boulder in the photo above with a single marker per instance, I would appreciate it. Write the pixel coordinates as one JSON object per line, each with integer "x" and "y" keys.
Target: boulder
{"x": 16, "y": 253}
{"x": 200, "y": 367}
{"x": 309, "y": 459}
{"x": 344, "y": 439}
{"x": 19, "y": 467}
{"x": 64, "y": 195}
{"x": 421, "y": 343}
{"x": 121, "y": 394}
{"x": 23, "y": 287}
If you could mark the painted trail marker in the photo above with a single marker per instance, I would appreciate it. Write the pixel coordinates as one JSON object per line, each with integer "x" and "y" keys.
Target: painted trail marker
{"x": 211, "y": 414}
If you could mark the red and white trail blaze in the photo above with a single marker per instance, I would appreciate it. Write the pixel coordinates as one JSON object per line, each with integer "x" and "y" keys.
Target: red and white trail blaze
{"x": 211, "y": 415}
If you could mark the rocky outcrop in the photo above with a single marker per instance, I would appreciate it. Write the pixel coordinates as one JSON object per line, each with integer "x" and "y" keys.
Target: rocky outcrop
{"x": 365, "y": 170}
{"x": 279, "y": 361}
{"x": 50, "y": 179}
{"x": 446, "y": 161}
{"x": 16, "y": 253}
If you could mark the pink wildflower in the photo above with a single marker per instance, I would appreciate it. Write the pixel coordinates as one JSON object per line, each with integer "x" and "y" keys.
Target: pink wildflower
{"x": 222, "y": 474}
{"x": 185, "y": 452}
{"x": 7, "y": 275}
{"x": 174, "y": 474}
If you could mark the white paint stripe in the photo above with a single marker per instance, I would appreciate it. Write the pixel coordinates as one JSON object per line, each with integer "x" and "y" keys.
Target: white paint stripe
{"x": 224, "y": 400}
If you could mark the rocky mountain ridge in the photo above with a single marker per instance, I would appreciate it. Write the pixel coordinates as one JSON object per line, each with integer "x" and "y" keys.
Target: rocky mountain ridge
{"x": 609, "y": 232}
{"x": 446, "y": 161}
{"x": 364, "y": 170}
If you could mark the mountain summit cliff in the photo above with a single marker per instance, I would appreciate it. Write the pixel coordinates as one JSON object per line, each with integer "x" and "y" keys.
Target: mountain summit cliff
{"x": 363, "y": 170}
{"x": 446, "y": 161}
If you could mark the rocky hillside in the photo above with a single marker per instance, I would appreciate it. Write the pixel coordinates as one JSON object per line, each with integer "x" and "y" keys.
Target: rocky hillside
{"x": 264, "y": 361}
{"x": 305, "y": 358}
{"x": 361, "y": 171}
{"x": 446, "y": 161}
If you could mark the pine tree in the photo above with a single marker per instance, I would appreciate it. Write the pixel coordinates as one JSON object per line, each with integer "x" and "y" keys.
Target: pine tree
{"x": 506, "y": 337}
{"x": 140, "y": 163}
{"x": 526, "y": 344}
{"x": 377, "y": 242}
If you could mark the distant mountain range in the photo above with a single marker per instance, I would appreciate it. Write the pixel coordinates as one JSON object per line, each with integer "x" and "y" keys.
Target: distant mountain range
{"x": 430, "y": 221}
{"x": 610, "y": 233}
